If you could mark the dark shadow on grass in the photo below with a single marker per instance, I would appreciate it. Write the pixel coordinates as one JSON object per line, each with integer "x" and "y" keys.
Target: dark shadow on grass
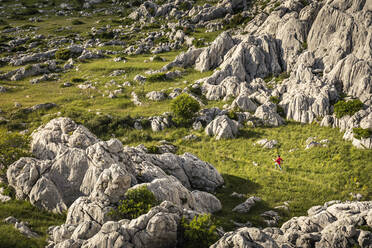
{"x": 249, "y": 133}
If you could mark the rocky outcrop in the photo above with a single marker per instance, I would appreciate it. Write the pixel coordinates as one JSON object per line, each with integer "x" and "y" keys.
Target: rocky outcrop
{"x": 73, "y": 167}
{"x": 334, "y": 224}
{"x": 361, "y": 119}
{"x": 298, "y": 38}
{"x": 213, "y": 56}
{"x": 268, "y": 114}
{"x": 157, "y": 228}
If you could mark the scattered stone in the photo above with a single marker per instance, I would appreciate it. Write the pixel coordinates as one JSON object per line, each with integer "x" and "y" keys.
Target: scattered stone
{"x": 191, "y": 137}
{"x": 156, "y": 96}
{"x": 139, "y": 78}
{"x": 247, "y": 205}
{"x": 3, "y": 89}
{"x": 234, "y": 194}
{"x": 268, "y": 144}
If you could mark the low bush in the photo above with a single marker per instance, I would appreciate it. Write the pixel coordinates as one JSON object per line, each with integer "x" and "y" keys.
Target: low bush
{"x": 232, "y": 114}
{"x": 280, "y": 111}
{"x": 63, "y": 54}
{"x": 274, "y": 99}
{"x": 157, "y": 77}
{"x": 153, "y": 149}
{"x": 343, "y": 108}
{"x": 77, "y": 80}
{"x": 77, "y": 22}
{"x": 8, "y": 190}
{"x": 137, "y": 201}
{"x": 200, "y": 232}
{"x": 12, "y": 147}
{"x": 360, "y": 133}
{"x": 198, "y": 43}
{"x": 184, "y": 108}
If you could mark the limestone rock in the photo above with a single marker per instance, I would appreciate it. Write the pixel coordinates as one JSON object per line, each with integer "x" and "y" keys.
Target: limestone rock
{"x": 222, "y": 128}
{"x": 247, "y": 205}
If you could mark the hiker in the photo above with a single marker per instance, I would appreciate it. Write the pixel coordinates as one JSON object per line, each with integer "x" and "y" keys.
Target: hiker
{"x": 278, "y": 161}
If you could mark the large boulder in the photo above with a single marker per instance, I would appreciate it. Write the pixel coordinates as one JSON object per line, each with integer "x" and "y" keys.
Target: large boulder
{"x": 222, "y": 128}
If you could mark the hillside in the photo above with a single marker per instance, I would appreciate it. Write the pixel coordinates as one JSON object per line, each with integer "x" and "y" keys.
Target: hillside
{"x": 192, "y": 100}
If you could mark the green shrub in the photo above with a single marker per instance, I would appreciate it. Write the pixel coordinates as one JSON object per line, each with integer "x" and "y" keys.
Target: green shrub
{"x": 12, "y": 147}
{"x": 304, "y": 45}
{"x": 282, "y": 76}
{"x": 78, "y": 80}
{"x": 280, "y": 111}
{"x": 274, "y": 99}
{"x": 145, "y": 123}
{"x": 63, "y": 54}
{"x": 343, "y": 108}
{"x": 3, "y": 22}
{"x": 184, "y": 108}
{"x": 8, "y": 190}
{"x": 79, "y": 3}
{"x": 105, "y": 125}
{"x": 198, "y": 43}
{"x": 235, "y": 21}
{"x": 360, "y": 133}
{"x": 196, "y": 90}
{"x": 137, "y": 201}
{"x": 153, "y": 149}
{"x": 232, "y": 114}
{"x": 157, "y": 77}
{"x": 198, "y": 233}
{"x": 77, "y": 22}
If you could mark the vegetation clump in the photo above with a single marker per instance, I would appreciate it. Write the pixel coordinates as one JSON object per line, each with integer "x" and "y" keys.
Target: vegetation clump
{"x": 200, "y": 232}
{"x": 360, "y": 133}
{"x": 184, "y": 108}
{"x": 137, "y": 201}
{"x": 77, "y": 22}
{"x": 153, "y": 149}
{"x": 343, "y": 108}
{"x": 157, "y": 77}
{"x": 12, "y": 147}
{"x": 63, "y": 54}
{"x": 274, "y": 99}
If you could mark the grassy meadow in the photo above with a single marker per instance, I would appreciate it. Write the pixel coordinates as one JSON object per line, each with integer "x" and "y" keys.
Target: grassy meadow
{"x": 310, "y": 177}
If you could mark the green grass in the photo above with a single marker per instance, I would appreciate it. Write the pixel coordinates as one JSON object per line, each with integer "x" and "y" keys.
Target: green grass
{"x": 328, "y": 173}
{"x": 38, "y": 220}
{"x": 310, "y": 177}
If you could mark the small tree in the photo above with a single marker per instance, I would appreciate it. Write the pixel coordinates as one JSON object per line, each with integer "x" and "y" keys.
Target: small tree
{"x": 137, "y": 201}
{"x": 343, "y": 108}
{"x": 12, "y": 147}
{"x": 200, "y": 232}
{"x": 63, "y": 54}
{"x": 184, "y": 108}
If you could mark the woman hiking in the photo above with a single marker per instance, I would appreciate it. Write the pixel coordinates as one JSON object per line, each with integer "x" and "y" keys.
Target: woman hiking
{"x": 278, "y": 161}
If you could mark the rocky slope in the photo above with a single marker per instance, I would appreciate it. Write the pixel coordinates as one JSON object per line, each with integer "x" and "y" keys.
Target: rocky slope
{"x": 324, "y": 47}
{"x": 294, "y": 60}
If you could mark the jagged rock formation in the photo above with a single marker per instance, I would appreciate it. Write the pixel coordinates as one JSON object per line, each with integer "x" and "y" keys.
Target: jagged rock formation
{"x": 324, "y": 46}
{"x": 71, "y": 163}
{"x": 334, "y": 224}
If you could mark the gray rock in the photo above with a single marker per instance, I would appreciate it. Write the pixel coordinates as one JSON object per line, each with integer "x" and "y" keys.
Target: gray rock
{"x": 222, "y": 128}
{"x": 213, "y": 56}
{"x": 156, "y": 95}
{"x": 269, "y": 144}
{"x": 206, "y": 202}
{"x": 267, "y": 113}
{"x": 247, "y": 205}
{"x": 244, "y": 103}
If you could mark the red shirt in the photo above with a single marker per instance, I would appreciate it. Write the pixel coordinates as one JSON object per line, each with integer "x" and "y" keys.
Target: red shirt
{"x": 279, "y": 160}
